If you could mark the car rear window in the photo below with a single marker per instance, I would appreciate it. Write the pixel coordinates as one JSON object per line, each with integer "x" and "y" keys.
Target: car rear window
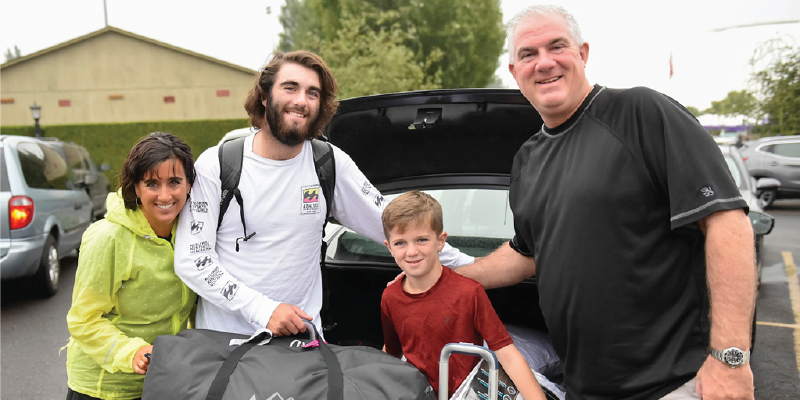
{"x": 42, "y": 167}
{"x": 477, "y": 222}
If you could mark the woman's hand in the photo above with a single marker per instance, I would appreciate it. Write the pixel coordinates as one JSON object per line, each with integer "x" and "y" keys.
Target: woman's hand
{"x": 141, "y": 360}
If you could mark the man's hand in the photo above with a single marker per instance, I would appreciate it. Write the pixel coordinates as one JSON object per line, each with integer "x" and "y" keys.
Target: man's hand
{"x": 140, "y": 362}
{"x": 717, "y": 380}
{"x": 286, "y": 320}
{"x": 397, "y": 279}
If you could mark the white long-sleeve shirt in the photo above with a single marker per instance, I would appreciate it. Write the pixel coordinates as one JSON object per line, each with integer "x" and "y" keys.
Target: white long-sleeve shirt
{"x": 284, "y": 205}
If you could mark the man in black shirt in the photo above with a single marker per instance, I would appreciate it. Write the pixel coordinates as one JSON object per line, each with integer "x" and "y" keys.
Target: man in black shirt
{"x": 626, "y": 212}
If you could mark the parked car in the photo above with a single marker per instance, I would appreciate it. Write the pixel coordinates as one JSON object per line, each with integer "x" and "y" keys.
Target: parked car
{"x": 87, "y": 174}
{"x": 44, "y": 209}
{"x": 727, "y": 138}
{"x": 762, "y": 222}
{"x": 778, "y": 158}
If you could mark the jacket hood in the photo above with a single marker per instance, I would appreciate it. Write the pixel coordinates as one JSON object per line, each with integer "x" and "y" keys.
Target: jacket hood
{"x": 131, "y": 219}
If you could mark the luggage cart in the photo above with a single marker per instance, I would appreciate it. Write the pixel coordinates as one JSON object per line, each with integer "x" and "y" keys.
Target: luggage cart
{"x": 472, "y": 350}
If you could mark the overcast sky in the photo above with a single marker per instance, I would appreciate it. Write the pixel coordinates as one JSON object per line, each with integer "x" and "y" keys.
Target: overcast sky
{"x": 630, "y": 40}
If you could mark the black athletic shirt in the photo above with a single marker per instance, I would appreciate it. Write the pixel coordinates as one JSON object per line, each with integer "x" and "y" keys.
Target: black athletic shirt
{"x": 607, "y": 205}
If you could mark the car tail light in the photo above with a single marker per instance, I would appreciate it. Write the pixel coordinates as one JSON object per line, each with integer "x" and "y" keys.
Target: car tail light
{"x": 20, "y": 212}
{"x": 744, "y": 158}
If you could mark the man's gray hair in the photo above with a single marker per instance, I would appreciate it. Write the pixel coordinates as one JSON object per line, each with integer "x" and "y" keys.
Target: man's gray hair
{"x": 533, "y": 12}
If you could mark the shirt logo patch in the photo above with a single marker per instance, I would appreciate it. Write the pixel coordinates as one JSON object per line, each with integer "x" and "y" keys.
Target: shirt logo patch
{"x": 229, "y": 291}
{"x": 197, "y": 227}
{"x": 214, "y": 276}
{"x": 198, "y": 247}
{"x": 379, "y": 200}
{"x": 200, "y": 207}
{"x": 366, "y": 188}
{"x": 310, "y": 204}
{"x": 202, "y": 262}
{"x": 706, "y": 191}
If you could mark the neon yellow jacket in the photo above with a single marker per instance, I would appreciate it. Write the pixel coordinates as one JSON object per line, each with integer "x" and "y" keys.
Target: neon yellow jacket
{"x": 126, "y": 293}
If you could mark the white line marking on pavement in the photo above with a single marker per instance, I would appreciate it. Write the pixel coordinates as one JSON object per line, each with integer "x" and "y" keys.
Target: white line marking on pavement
{"x": 778, "y": 324}
{"x": 794, "y": 296}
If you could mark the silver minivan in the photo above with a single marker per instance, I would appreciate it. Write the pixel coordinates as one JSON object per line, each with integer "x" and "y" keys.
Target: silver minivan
{"x": 44, "y": 211}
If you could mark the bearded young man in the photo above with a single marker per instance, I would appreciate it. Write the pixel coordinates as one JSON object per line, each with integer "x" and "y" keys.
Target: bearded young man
{"x": 274, "y": 278}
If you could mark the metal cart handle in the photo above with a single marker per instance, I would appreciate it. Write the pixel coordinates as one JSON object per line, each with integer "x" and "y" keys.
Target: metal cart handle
{"x": 472, "y": 350}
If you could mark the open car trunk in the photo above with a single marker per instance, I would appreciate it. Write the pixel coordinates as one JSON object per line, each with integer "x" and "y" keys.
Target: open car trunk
{"x": 457, "y": 145}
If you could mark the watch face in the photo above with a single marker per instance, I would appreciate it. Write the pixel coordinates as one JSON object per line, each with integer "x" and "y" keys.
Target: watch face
{"x": 733, "y": 356}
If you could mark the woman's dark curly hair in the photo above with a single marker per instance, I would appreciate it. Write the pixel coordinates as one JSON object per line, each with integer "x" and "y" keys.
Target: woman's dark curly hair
{"x": 266, "y": 78}
{"x": 146, "y": 155}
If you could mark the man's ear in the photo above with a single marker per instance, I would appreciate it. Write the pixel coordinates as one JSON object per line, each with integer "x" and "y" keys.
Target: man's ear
{"x": 584, "y": 51}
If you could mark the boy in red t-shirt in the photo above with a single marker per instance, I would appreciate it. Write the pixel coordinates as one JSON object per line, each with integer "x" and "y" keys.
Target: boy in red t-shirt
{"x": 433, "y": 306}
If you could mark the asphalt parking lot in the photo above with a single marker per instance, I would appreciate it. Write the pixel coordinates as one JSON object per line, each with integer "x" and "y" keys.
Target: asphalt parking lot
{"x": 776, "y": 357}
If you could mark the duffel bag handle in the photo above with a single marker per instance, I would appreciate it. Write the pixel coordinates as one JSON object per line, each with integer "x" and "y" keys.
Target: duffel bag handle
{"x": 335, "y": 376}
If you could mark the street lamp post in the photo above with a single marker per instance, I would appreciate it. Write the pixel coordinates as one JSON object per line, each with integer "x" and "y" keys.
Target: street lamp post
{"x": 36, "y": 111}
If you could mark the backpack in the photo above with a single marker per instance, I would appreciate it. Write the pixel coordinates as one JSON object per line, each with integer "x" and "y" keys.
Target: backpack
{"x": 231, "y": 154}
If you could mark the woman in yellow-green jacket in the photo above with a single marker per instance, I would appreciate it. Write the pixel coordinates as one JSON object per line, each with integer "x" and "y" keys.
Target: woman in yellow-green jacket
{"x": 126, "y": 291}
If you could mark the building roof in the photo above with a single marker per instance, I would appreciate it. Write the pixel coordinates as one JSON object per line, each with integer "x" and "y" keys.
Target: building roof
{"x": 108, "y": 29}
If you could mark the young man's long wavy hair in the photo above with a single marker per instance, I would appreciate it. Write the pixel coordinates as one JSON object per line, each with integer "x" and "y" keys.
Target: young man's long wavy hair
{"x": 266, "y": 78}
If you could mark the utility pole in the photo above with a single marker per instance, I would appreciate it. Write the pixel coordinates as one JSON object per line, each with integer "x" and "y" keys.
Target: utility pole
{"x": 269, "y": 23}
{"x": 105, "y": 12}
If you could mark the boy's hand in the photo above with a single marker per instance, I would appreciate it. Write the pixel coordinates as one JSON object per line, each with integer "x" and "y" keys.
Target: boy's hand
{"x": 287, "y": 320}
{"x": 397, "y": 279}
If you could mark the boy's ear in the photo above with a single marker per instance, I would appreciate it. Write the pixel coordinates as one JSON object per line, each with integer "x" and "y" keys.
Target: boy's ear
{"x": 441, "y": 241}
{"x": 386, "y": 243}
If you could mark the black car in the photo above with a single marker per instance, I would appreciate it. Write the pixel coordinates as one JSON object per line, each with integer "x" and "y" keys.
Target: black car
{"x": 458, "y": 146}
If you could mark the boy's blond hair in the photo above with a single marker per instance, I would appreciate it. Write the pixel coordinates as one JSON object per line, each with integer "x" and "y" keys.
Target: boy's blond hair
{"x": 412, "y": 209}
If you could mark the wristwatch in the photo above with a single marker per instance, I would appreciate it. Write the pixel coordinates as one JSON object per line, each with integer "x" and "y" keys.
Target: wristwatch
{"x": 732, "y": 356}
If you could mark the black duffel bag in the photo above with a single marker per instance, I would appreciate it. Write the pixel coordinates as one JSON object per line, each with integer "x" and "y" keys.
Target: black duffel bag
{"x": 205, "y": 364}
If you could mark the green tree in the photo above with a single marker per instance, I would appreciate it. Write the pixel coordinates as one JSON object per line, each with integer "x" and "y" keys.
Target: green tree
{"x": 367, "y": 62}
{"x": 694, "y": 111}
{"x": 736, "y": 104}
{"x": 458, "y": 42}
{"x": 778, "y": 84}
{"x": 10, "y": 55}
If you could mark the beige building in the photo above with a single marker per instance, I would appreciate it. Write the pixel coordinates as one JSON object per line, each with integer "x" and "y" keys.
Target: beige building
{"x": 112, "y": 75}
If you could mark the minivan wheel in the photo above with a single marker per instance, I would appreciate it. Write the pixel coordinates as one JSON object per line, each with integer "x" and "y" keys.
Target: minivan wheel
{"x": 766, "y": 198}
{"x": 49, "y": 268}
